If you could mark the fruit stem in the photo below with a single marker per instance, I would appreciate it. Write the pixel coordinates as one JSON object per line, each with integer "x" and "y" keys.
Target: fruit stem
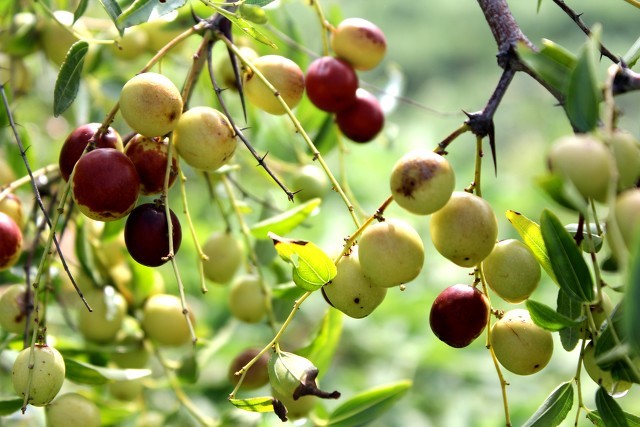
{"x": 442, "y": 146}
{"x": 578, "y": 382}
{"x": 12, "y": 186}
{"x": 477, "y": 176}
{"x": 325, "y": 25}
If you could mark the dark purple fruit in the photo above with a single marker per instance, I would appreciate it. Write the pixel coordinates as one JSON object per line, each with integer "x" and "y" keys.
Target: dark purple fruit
{"x": 363, "y": 119}
{"x": 146, "y": 234}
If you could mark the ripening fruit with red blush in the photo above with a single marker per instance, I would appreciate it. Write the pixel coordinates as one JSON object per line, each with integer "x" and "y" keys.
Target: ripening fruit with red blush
{"x": 331, "y": 84}
{"x": 459, "y": 315}
{"x": 74, "y": 145}
{"x": 149, "y": 156}
{"x": 10, "y": 241}
{"x": 363, "y": 119}
{"x": 359, "y": 42}
{"x": 146, "y": 234}
{"x": 105, "y": 184}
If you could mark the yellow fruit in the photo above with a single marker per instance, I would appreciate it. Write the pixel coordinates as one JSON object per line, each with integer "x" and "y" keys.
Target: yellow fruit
{"x": 164, "y": 322}
{"x": 13, "y": 309}
{"x": 286, "y": 77}
{"x": 48, "y": 374}
{"x": 247, "y": 299}
{"x": 132, "y": 44}
{"x": 626, "y": 152}
{"x": 224, "y": 74}
{"x": 599, "y": 375}
{"x": 627, "y": 215}
{"x": 359, "y": 42}
{"x": 73, "y": 410}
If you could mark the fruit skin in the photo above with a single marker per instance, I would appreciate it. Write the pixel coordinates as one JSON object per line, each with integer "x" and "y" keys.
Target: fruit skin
{"x": 224, "y": 69}
{"x": 285, "y": 76}
{"x": 584, "y": 161}
{"x": 331, "y": 84}
{"x": 10, "y": 242}
{"x": 256, "y": 376}
{"x": 56, "y": 40}
{"x": 13, "y": 309}
{"x": 151, "y": 104}
{"x": 599, "y": 375}
{"x": 163, "y": 320}
{"x": 12, "y": 206}
{"x": 310, "y": 182}
{"x": 14, "y": 74}
{"x": 204, "y": 138}
{"x": 520, "y": 345}
{"x": 48, "y": 374}
{"x": 465, "y": 230}
{"x": 72, "y": 410}
{"x": 363, "y": 119}
{"x": 103, "y": 323}
{"x": 458, "y": 315}
{"x": 422, "y": 182}
{"x": 146, "y": 234}
{"x": 351, "y": 291}
{"x": 627, "y": 215}
{"x": 149, "y": 156}
{"x": 512, "y": 270}
{"x": 131, "y": 45}
{"x": 126, "y": 390}
{"x": 299, "y": 408}
{"x": 359, "y": 42}
{"x": 225, "y": 257}
{"x": 626, "y": 153}
{"x": 76, "y": 142}
{"x": 390, "y": 253}
{"x": 247, "y": 299}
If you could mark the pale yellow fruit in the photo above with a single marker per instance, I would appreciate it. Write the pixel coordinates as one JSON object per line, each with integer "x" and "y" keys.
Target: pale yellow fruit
{"x": 247, "y": 299}
{"x": 520, "y": 345}
{"x": 390, "y": 253}
{"x": 73, "y": 410}
{"x": 103, "y": 323}
{"x": 599, "y": 375}
{"x": 627, "y": 215}
{"x": 58, "y": 35}
{"x": 286, "y": 77}
{"x": 132, "y": 44}
{"x": 12, "y": 206}
{"x": 126, "y": 390}
{"x": 512, "y": 270}
{"x": 48, "y": 374}
{"x": 359, "y": 42}
{"x": 422, "y": 182}
{"x": 204, "y": 138}
{"x": 164, "y": 322}
{"x": 151, "y": 104}
{"x": 224, "y": 74}
{"x": 465, "y": 230}
{"x": 310, "y": 182}
{"x": 13, "y": 309}
{"x": 225, "y": 257}
{"x": 626, "y": 152}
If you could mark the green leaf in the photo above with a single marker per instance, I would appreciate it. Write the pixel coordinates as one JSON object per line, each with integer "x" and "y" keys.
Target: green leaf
{"x": 85, "y": 373}
{"x": 188, "y": 370}
{"x": 68, "y": 81}
{"x": 80, "y": 9}
{"x": 254, "y": 404}
{"x": 321, "y": 349}
{"x": 594, "y": 417}
{"x": 258, "y": 2}
{"x": 84, "y": 252}
{"x": 549, "y": 319}
{"x": 246, "y": 27}
{"x": 595, "y": 237}
{"x": 633, "y": 54}
{"x": 563, "y": 192}
{"x": 367, "y": 406}
{"x": 9, "y": 406}
{"x": 554, "y": 409}
{"x": 572, "y": 309}
{"x": 632, "y": 299}
{"x": 312, "y": 268}
{"x": 609, "y": 410}
{"x": 113, "y": 10}
{"x": 141, "y": 10}
{"x": 253, "y": 13}
{"x": 553, "y": 63}
{"x": 285, "y": 222}
{"x": 567, "y": 262}
{"x": 583, "y": 94}
{"x": 530, "y": 233}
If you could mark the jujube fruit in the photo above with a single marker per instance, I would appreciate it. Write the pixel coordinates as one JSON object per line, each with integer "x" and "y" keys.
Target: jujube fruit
{"x": 10, "y": 242}
{"x": 310, "y": 182}
{"x": 283, "y": 74}
{"x": 146, "y": 234}
{"x": 132, "y": 44}
{"x": 256, "y": 376}
{"x": 14, "y": 309}
{"x": 149, "y": 156}
{"x": 48, "y": 374}
{"x": 225, "y": 256}
{"x": 363, "y": 119}
{"x": 626, "y": 153}
{"x": 126, "y": 390}
{"x": 247, "y": 299}
{"x": 600, "y": 376}
{"x": 360, "y": 42}
{"x": 627, "y": 215}
{"x": 72, "y": 410}
{"x": 12, "y": 206}
{"x": 331, "y": 84}
{"x": 599, "y": 312}
{"x": 103, "y": 323}
{"x": 224, "y": 73}
{"x": 57, "y": 40}
{"x": 164, "y": 322}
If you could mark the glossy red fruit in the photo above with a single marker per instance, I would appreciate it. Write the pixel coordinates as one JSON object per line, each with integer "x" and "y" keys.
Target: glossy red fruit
{"x": 459, "y": 315}
{"x": 146, "y": 234}
{"x": 105, "y": 184}
{"x": 331, "y": 84}
{"x": 78, "y": 139}
{"x": 363, "y": 119}
{"x": 10, "y": 241}
{"x": 149, "y": 156}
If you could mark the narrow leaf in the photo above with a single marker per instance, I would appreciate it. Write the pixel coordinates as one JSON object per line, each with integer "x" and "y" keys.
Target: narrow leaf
{"x": 609, "y": 410}
{"x": 68, "y": 81}
{"x": 567, "y": 262}
{"x": 572, "y": 309}
{"x": 254, "y": 404}
{"x": 530, "y": 233}
{"x": 562, "y": 191}
{"x": 80, "y": 9}
{"x": 633, "y": 54}
{"x": 85, "y": 373}
{"x": 552, "y": 63}
{"x": 554, "y": 409}
{"x": 367, "y": 406}
{"x": 247, "y": 27}
{"x": 583, "y": 93}
{"x": 113, "y": 10}
{"x": 632, "y": 420}
{"x": 321, "y": 349}
{"x": 632, "y": 299}
{"x": 9, "y": 406}
{"x": 141, "y": 10}
{"x": 549, "y": 319}
{"x": 258, "y": 2}
{"x": 285, "y": 222}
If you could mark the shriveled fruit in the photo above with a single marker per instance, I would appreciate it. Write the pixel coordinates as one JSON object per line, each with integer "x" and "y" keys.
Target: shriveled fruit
{"x": 247, "y": 299}
{"x": 391, "y": 253}
{"x": 422, "y": 181}
{"x": 12, "y": 206}
{"x": 48, "y": 374}
{"x": 458, "y": 315}
{"x": 331, "y": 84}
{"x": 256, "y": 376}
{"x": 584, "y": 161}
{"x": 105, "y": 184}
{"x": 512, "y": 270}
{"x": 626, "y": 153}
{"x": 146, "y": 234}
{"x": 283, "y": 74}
{"x": 298, "y": 408}
{"x": 360, "y": 42}
{"x": 151, "y": 104}
{"x": 103, "y": 323}
{"x": 627, "y": 215}
{"x": 164, "y": 322}
{"x": 77, "y": 141}
{"x": 149, "y": 156}
{"x": 351, "y": 291}
{"x": 600, "y": 376}
{"x": 10, "y": 242}
{"x": 520, "y": 345}
{"x": 363, "y": 119}
{"x": 204, "y": 138}
{"x": 225, "y": 256}
{"x": 465, "y": 230}
{"x": 310, "y": 181}
{"x": 72, "y": 410}
{"x": 13, "y": 309}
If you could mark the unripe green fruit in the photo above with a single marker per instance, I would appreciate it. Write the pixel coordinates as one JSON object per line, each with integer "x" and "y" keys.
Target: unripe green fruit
{"x": 256, "y": 376}
{"x": 465, "y": 230}
{"x": 20, "y": 37}
{"x": 163, "y": 320}
{"x": 310, "y": 182}
{"x": 247, "y": 299}
{"x": 626, "y": 152}
{"x": 600, "y": 376}
{"x": 132, "y": 44}
{"x": 73, "y": 410}
{"x": 224, "y": 74}
{"x": 599, "y": 312}
{"x": 520, "y": 345}
{"x": 627, "y": 215}
{"x": 56, "y": 39}
{"x": 204, "y": 138}
{"x": 103, "y": 323}
{"x": 48, "y": 374}
{"x": 285, "y": 76}
{"x": 422, "y": 182}
{"x": 13, "y": 309}
{"x": 126, "y": 390}
{"x": 225, "y": 257}
{"x": 151, "y": 104}
{"x": 584, "y": 161}
{"x": 351, "y": 291}
{"x": 390, "y": 253}
{"x": 360, "y": 42}
{"x": 134, "y": 358}
{"x": 512, "y": 270}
